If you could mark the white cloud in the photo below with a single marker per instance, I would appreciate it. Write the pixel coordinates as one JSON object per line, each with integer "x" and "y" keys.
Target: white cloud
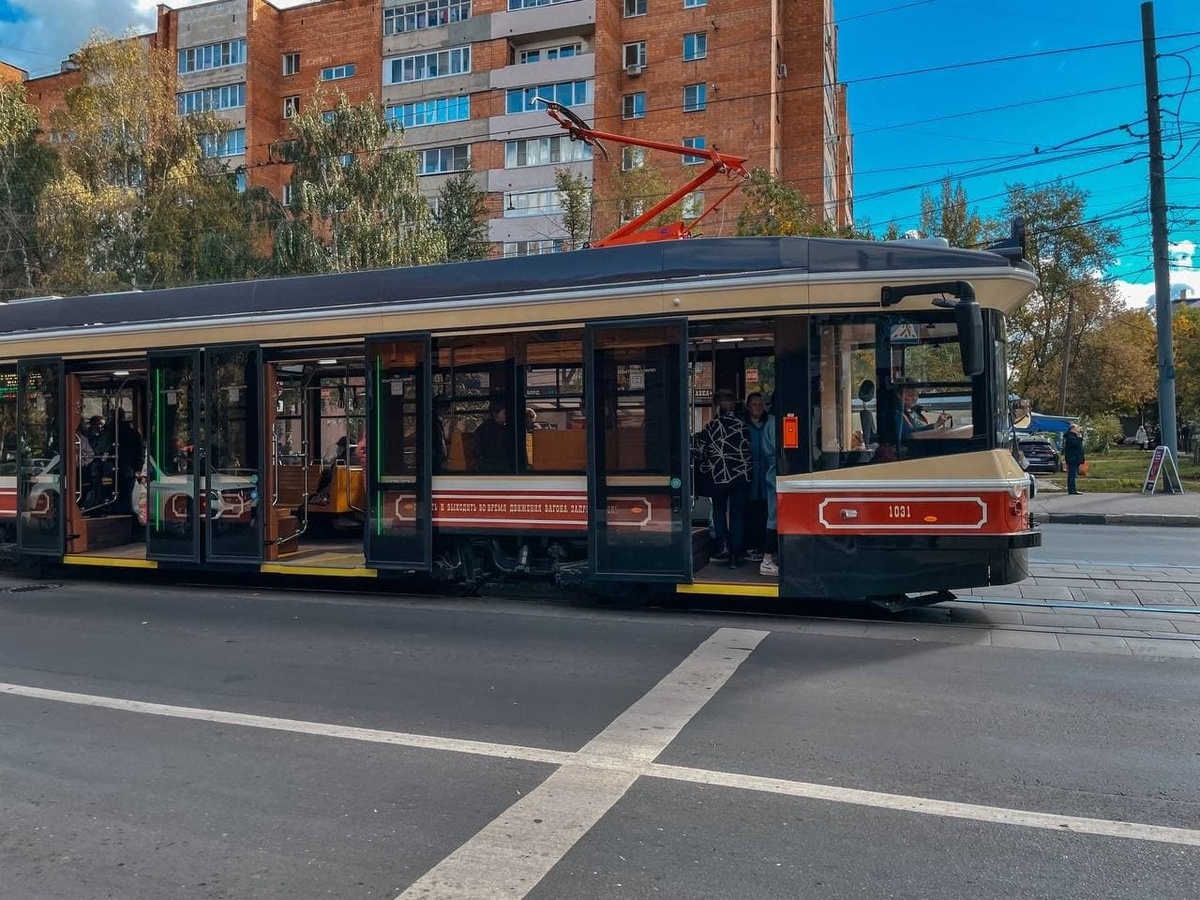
{"x": 1140, "y": 295}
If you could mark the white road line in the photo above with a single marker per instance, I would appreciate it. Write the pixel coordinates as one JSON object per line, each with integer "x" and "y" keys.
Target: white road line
{"x": 508, "y": 857}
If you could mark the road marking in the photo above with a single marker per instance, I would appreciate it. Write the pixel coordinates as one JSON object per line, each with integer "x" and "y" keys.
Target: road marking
{"x": 610, "y": 768}
{"x": 507, "y": 858}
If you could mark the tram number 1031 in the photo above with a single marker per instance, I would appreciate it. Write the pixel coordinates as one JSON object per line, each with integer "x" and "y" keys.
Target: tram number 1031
{"x": 899, "y": 511}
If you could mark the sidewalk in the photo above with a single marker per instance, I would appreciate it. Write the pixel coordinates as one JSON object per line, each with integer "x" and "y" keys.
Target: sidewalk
{"x": 1117, "y": 509}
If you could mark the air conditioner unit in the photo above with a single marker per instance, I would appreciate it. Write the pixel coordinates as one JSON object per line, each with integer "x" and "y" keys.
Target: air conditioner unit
{"x": 782, "y": 70}
{"x": 634, "y": 71}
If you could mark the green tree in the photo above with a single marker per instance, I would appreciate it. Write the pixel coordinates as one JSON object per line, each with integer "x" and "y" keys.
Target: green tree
{"x": 26, "y": 167}
{"x": 462, "y": 217}
{"x": 1072, "y": 302}
{"x": 775, "y": 207}
{"x": 951, "y": 217}
{"x": 576, "y": 194}
{"x": 358, "y": 201}
{"x": 130, "y": 207}
{"x": 1186, "y": 342}
{"x": 1113, "y": 368}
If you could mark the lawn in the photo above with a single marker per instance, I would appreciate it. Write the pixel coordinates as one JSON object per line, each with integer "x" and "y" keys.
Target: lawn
{"x": 1124, "y": 471}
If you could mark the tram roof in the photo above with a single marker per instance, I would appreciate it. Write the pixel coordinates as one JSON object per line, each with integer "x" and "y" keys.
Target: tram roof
{"x": 654, "y": 265}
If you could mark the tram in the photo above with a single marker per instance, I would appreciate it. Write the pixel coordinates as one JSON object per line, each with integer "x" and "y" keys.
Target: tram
{"x": 529, "y": 418}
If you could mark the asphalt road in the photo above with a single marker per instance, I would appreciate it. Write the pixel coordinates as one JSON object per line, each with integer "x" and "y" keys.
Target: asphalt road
{"x": 1118, "y": 544}
{"x": 193, "y": 742}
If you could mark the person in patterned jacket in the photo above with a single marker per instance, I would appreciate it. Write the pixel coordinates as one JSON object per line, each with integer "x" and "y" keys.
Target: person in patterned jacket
{"x": 722, "y": 450}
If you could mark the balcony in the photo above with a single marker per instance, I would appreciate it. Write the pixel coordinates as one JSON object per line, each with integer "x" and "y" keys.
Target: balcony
{"x": 572, "y": 17}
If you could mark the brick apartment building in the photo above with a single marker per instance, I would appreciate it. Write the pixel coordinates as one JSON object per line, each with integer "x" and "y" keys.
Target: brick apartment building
{"x": 756, "y": 78}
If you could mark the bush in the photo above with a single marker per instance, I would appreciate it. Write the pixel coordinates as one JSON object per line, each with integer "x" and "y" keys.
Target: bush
{"x": 1101, "y": 433}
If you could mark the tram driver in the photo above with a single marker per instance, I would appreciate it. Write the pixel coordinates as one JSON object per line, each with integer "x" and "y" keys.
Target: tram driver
{"x": 914, "y": 424}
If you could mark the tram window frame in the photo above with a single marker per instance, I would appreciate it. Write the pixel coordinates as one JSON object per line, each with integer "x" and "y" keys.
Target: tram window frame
{"x": 880, "y": 353}
{"x": 469, "y": 375}
{"x": 559, "y": 408}
{"x": 355, "y": 421}
{"x": 8, "y": 422}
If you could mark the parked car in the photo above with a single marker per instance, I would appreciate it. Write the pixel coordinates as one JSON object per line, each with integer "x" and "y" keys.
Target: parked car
{"x": 1040, "y": 455}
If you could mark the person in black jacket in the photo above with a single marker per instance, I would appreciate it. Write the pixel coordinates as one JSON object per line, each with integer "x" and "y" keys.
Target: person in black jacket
{"x": 1073, "y": 451}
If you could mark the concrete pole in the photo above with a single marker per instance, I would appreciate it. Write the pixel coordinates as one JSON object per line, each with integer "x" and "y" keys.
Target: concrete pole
{"x": 1158, "y": 238}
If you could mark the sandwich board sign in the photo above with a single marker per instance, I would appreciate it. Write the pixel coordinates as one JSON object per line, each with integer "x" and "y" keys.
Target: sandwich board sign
{"x": 1162, "y": 464}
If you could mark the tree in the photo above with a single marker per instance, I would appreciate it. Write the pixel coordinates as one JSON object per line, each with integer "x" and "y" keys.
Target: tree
{"x": 775, "y": 207}
{"x": 1068, "y": 252}
{"x": 462, "y": 217}
{"x": 950, "y": 217}
{"x": 1186, "y": 342}
{"x": 358, "y": 201}
{"x": 633, "y": 191}
{"x": 136, "y": 199}
{"x": 1113, "y": 370}
{"x": 576, "y": 197}
{"x": 26, "y": 167}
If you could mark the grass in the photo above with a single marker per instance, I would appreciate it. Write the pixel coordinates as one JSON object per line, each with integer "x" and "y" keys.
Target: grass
{"x": 1123, "y": 470}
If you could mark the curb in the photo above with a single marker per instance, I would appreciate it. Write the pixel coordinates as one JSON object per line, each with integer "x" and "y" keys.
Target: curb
{"x": 1159, "y": 521}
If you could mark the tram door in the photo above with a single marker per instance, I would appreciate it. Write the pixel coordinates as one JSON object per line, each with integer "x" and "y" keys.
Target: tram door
{"x": 638, "y": 472}
{"x": 40, "y": 468}
{"x": 173, "y": 456}
{"x": 233, "y": 457}
{"x": 399, "y": 439}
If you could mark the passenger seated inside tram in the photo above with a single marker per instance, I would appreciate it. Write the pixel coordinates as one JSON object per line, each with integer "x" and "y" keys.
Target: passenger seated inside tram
{"x": 321, "y": 495}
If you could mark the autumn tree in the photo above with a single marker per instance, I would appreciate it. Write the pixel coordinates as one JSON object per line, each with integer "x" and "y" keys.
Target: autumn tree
{"x": 26, "y": 167}
{"x": 462, "y": 218}
{"x": 357, "y": 195}
{"x": 1113, "y": 368}
{"x": 130, "y": 205}
{"x": 949, "y": 216}
{"x": 575, "y": 193}
{"x": 1186, "y": 342}
{"x": 1072, "y": 302}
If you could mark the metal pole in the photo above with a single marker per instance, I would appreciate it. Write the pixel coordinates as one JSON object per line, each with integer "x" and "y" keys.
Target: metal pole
{"x": 1158, "y": 235}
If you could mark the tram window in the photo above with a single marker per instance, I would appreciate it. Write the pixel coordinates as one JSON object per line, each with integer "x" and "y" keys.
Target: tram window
{"x": 8, "y": 422}
{"x": 473, "y": 389}
{"x": 343, "y": 414}
{"x": 555, "y": 425}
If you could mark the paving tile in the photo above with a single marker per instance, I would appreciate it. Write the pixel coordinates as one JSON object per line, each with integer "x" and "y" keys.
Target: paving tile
{"x": 1086, "y": 643}
{"x": 1124, "y": 620}
{"x": 1024, "y": 640}
{"x": 1132, "y": 584}
{"x": 1045, "y": 592}
{"x": 1110, "y": 596}
{"x": 1075, "y": 582}
{"x": 837, "y": 629}
{"x": 995, "y": 615}
{"x": 1151, "y": 647}
{"x": 1164, "y": 597}
{"x": 1058, "y": 620}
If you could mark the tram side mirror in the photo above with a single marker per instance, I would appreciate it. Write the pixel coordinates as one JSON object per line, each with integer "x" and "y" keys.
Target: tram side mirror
{"x": 969, "y": 318}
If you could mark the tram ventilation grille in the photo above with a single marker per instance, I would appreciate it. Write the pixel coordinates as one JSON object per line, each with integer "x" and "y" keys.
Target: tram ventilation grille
{"x": 26, "y": 588}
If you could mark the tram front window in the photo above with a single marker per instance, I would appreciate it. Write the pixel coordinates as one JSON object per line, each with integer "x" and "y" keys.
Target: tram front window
{"x": 891, "y": 389}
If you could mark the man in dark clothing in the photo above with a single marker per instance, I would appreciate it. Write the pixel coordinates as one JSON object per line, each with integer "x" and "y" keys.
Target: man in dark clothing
{"x": 131, "y": 455}
{"x": 1073, "y": 451}
{"x": 723, "y": 451}
{"x": 493, "y": 441}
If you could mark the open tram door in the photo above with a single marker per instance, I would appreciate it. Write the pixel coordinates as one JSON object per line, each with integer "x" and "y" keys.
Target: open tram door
{"x": 41, "y": 474}
{"x": 638, "y": 445}
{"x": 399, "y": 460}
{"x": 173, "y": 456}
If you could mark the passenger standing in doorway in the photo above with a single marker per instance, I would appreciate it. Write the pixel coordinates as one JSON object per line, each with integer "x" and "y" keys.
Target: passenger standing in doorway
{"x": 760, "y": 507}
{"x": 131, "y": 455}
{"x": 1073, "y": 450}
{"x": 723, "y": 451}
{"x": 493, "y": 441}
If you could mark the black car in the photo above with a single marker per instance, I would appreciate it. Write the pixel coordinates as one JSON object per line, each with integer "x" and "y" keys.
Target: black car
{"x": 1041, "y": 455}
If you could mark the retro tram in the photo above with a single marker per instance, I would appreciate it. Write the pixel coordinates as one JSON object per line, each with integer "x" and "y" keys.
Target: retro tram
{"x": 335, "y": 425}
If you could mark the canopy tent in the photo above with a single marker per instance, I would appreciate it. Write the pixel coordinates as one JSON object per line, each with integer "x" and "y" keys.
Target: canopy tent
{"x": 1037, "y": 422}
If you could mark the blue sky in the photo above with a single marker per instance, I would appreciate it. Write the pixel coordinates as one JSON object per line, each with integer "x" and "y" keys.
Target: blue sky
{"x": 1039, "y": 117}
{"x": 910, "y": 129}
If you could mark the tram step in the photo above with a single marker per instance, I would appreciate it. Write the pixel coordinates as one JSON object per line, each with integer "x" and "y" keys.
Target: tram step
{"x": 288, "y": 526}
{"x": 98, "y": 532}
{"x": 701, "y": 545}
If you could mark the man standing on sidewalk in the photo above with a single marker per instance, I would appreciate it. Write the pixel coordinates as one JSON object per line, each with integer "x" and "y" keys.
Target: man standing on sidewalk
{"x": 1073, "y": 450}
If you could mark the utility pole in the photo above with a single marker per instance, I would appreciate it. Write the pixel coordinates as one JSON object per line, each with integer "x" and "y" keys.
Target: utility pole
{"x": 1066, "y": 355}
{"x": 1158, "y": 240}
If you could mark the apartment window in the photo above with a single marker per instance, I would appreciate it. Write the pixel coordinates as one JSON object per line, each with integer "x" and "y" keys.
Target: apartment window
{"x": 693, "y": 205}
{"x": 695, "y": 46}
{"x": 328, "y": 116}
{"x": 335, "y": 73}
{"x": 424, "y": 14}
{"x": 568, "y": 93}
{"x": 635, "y": 54}
{"x": 632, "y": 158}
{"x": 291, "y": 106}
{"x": 441, "y": 160}
{"x": 291, "y": 64}
{"x": 240, "y": 181}
{"x": 689, "y": 4}
{"x": 531, "y": 4}
{"x": 231, "y": 143}
{"x": 424, "y": 66}
{"x": 696, "y": 143}
{"x": 212, "y": 56}
{"x": 228, "y": 96}
{"x": 631, "y": 209}
{"x": 548, "y": 53}
{"x": 532, "y": 203}
{"x": 532, "y": 248}
{"x": 633, "y": 106}
{"x": 544, "y": 152}
{"x": 635, "y": 8}
{"x": 288, "y": 195}
{"x": 431, "y": 112}
{"x": 695, "y": 97}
